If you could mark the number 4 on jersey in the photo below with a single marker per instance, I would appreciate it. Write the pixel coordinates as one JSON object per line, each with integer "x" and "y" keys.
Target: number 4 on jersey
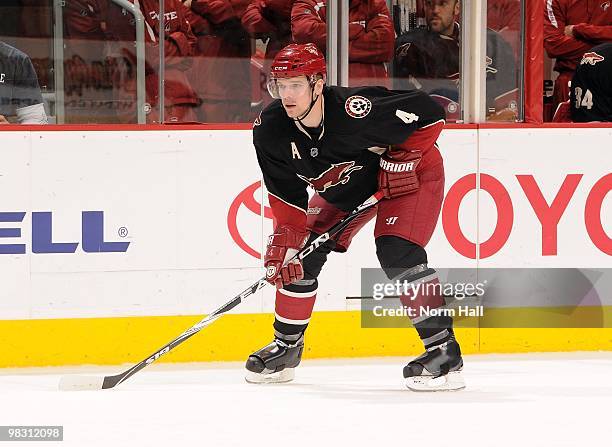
{"x": 406, "y": 117}
{"x": 586, "y": 101}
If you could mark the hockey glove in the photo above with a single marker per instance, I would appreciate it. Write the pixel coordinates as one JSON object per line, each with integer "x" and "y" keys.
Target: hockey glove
{"x": 397, "y": 175}
{"x": 282, "y": 246}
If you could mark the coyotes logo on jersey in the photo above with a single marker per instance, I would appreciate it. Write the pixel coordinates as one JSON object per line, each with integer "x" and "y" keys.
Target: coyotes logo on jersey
{"x": 591, "y": 58}
{"x": 338, "y": 174}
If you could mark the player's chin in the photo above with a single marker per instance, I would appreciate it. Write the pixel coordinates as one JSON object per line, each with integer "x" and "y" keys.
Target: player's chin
{"x": 292, "y": 111}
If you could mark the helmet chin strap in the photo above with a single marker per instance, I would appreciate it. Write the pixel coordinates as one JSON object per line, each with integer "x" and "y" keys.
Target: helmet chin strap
{"x": 305, "y": 114}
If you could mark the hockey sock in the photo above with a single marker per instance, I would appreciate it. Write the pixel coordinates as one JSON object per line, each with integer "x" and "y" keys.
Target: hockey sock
{"x": 426, "y": 295}
{"x": 406, "y": 261}
{"x": 293, "y": 309}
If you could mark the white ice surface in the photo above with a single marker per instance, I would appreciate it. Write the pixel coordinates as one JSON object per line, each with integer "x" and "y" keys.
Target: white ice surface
{"x": 547, "y": 400}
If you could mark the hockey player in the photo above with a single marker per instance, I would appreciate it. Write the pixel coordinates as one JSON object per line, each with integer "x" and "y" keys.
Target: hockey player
{"x": 347, "y": 143}
{"x": 591, "y": 89}
{"x": 571, "y": 28}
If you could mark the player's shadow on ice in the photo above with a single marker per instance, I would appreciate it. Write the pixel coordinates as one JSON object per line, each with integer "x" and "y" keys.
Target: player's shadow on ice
{"x": 389, "y": 395}
{"x": 401, "y": 396}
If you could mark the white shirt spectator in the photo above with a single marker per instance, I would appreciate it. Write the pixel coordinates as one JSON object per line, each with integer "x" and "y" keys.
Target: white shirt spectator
{"x": 20, "y": 94}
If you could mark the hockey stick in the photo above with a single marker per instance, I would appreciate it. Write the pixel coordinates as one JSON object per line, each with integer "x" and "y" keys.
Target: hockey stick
{"x": 74, "y": 383}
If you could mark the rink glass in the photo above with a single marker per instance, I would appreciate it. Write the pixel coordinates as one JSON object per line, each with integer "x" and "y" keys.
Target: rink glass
{"x": 88, "y": 72}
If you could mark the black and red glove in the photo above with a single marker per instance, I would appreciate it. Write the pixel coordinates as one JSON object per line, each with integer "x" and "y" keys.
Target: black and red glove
{"x": 282, "y": 246}
{"x": 397, "y": 175}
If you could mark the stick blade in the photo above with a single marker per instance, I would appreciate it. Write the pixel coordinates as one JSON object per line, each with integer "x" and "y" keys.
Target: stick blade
{"x": 81, "y": 383}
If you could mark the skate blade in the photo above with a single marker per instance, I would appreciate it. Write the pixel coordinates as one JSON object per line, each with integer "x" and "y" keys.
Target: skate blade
{"x": 453, "y": 381}
{"x": 284, "y": 376}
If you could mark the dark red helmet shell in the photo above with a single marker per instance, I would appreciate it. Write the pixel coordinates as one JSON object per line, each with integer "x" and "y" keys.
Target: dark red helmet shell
{"x": 297, "y": 60}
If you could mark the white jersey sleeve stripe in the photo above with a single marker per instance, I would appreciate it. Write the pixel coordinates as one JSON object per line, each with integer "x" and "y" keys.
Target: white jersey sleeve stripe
{"x": 551, "y": 14}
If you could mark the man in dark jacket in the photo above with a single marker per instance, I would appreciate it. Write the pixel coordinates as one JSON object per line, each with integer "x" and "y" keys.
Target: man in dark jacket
{"x": 429, "y": 59}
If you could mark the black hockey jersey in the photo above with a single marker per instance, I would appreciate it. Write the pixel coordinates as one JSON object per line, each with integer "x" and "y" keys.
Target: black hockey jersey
{"x": 591, "y": 90}
{"x": 342, "y": 164}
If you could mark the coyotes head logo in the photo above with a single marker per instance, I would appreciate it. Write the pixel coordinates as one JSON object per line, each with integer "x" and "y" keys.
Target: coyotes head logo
{"x": 490, "y": 67}
{"x": 338, "y": 174}
{"x": 591, "y": 58}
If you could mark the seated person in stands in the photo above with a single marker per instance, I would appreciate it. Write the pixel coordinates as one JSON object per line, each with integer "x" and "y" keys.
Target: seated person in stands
{"x": 221, "y": 75}
{"x": 88, "y": 72}
{"x": 20, "y": 95}
{"x": 270, "y": 21}
{"x": 371, "y": 36}
{"x": 572, "y": 28}
{"x": 591, "y": 89}
{"x": 504, "y": 16}
{"x": 429, "y": 59}
{"x": 101, "y": 62}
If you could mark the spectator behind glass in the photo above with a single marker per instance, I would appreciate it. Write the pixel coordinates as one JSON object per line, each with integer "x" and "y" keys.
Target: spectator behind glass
{"x": 429, "y": 59}
{"x": 222, "y": 76}
{"x": 270, "y": 21}
{"x": 88, "y": 80}
{"x": 180, "y": 99}
{"x": 9, "y": 17}
{"x": 20, "y": 94}
{"x": 371, "y": 36}
{"x": 591, "y": 89}
{"x": 504, "y": 16}
{"x": 35, "y": 37}
{"x": 571, "y": 28}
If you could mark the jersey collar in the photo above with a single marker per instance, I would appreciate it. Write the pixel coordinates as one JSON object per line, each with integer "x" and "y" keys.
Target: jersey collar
{"x": 304, "y": 131}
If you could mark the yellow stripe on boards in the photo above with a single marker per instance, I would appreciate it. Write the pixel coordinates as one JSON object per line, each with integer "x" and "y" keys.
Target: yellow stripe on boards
{"x": 106, "y": 341}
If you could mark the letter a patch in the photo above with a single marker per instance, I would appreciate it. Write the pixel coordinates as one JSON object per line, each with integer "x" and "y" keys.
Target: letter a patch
{"x": 295, "y": 152}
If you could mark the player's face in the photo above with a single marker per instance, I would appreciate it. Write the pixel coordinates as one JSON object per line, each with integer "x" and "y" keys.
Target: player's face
{"x": 295, "y": 94}
{"x": 441, "y": 15}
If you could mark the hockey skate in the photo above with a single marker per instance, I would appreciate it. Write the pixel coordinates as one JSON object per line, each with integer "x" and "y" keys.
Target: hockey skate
{"x": 275, "y": 363}
{"x": 438, "y": 369}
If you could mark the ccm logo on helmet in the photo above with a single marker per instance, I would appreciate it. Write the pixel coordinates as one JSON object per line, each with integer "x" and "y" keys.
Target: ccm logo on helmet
{"x": 396, "y": 167}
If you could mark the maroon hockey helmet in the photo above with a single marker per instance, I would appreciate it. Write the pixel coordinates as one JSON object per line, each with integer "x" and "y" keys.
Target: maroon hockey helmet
{"x": 296, "y": 60}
